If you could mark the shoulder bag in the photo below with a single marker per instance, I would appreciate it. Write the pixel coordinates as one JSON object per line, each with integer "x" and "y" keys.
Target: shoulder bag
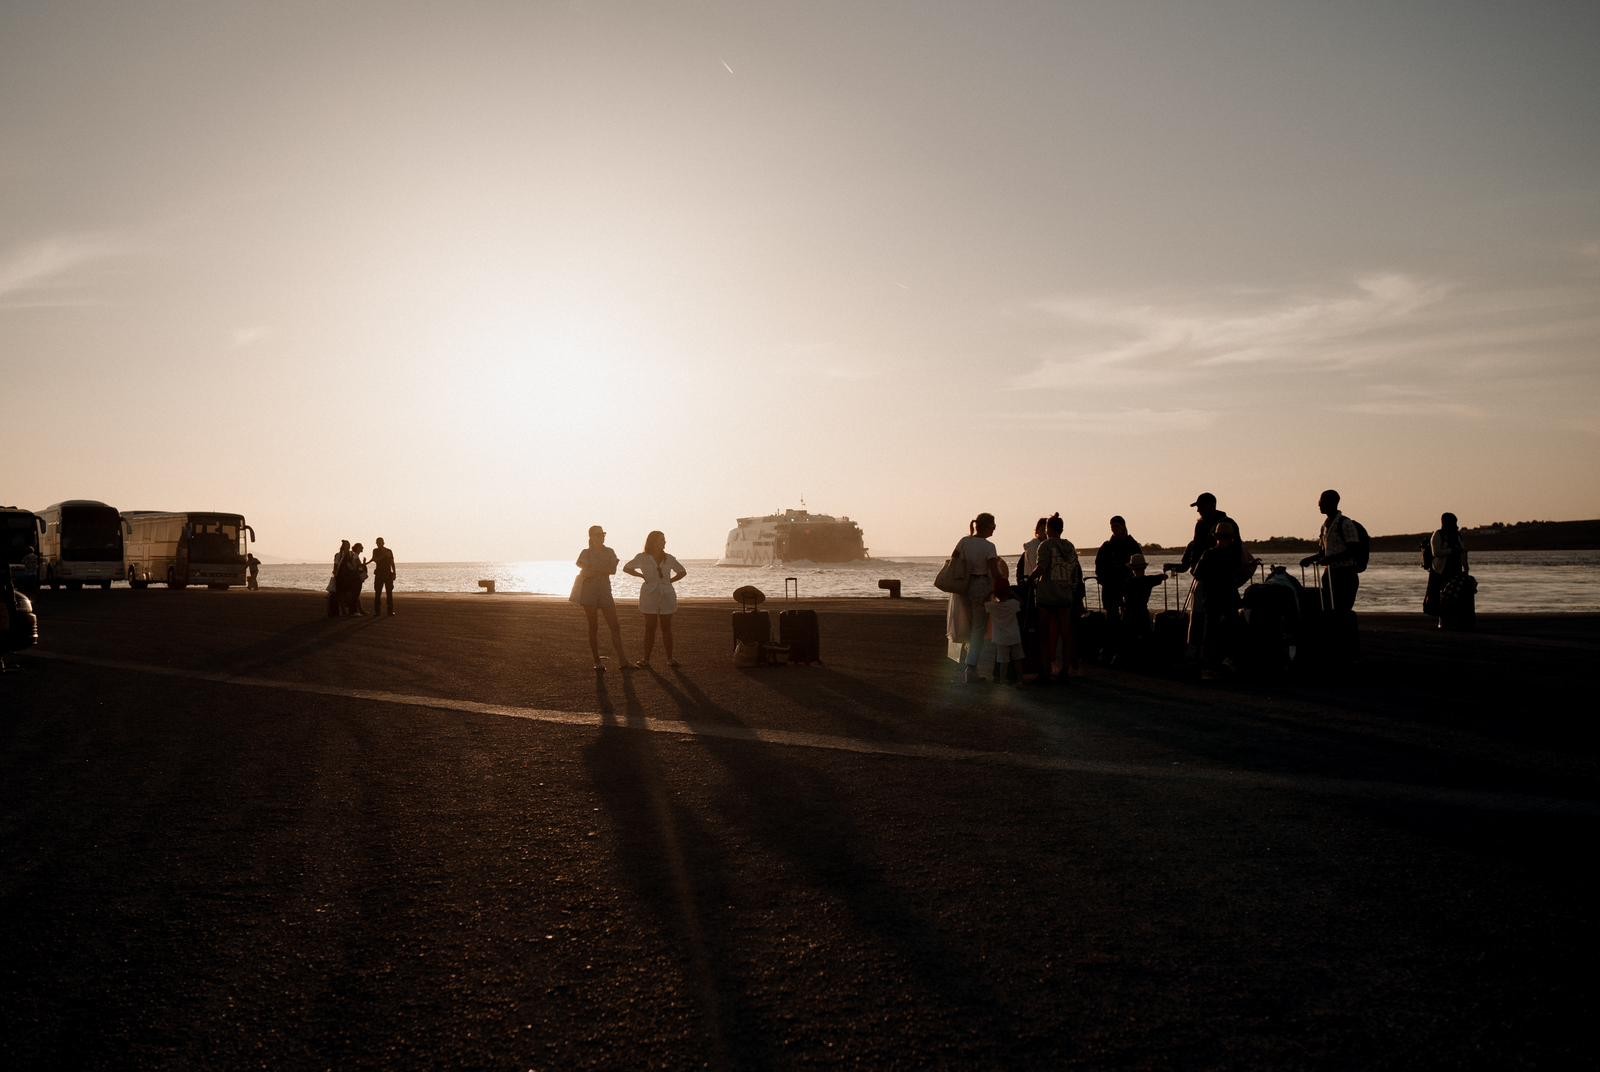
{"x": 953, "y": 576}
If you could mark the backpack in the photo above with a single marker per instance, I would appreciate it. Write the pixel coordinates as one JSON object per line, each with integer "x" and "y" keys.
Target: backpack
{"x": 1361, "y": 550}
{"x": 1061, "y": 585}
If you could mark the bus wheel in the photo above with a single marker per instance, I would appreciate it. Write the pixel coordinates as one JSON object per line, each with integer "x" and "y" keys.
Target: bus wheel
{"x": 74, "y": 586}
{"x": 105, "y": 586}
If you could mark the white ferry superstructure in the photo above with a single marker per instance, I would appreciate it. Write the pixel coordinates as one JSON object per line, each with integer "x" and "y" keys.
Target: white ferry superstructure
{"x": 793, "y": 536}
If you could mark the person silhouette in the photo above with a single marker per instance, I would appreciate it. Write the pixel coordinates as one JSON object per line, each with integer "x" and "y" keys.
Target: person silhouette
{"x": 658, "y": 600}
{"x": 592, "y": 591}
{"x": 383, "y": 575}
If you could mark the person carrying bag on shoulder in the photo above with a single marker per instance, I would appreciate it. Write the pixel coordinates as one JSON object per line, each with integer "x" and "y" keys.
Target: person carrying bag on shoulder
{"x": 977, "y": 558}
{"x": 1059, "y": 593}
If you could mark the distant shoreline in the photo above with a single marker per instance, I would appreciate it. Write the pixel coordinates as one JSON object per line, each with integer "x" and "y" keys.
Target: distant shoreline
{"x": 1521, "y": 536}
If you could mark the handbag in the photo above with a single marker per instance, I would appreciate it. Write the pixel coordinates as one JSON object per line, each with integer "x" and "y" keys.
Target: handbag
{"x": 952, "y": 576}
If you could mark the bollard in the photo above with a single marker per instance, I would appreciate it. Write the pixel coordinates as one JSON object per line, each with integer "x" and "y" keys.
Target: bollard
{"x": 892, "y": 586}
{"x": 487, "y": 586}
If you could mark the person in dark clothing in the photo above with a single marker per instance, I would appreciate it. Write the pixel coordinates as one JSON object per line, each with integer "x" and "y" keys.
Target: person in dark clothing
{"x": 341, "y": 578}
{"x": 382, "y": 576}
{"x": 1217, "y": 575}
{"x": 1336, "y": 544}
{"x": 1448, "y": 598}
{"x": 1205, "y": 530}
{"x": 1136, "y": 597}
{"x": 252, "y": 567}
{"x": 1111, "y": 570}
{"x": 354, "y": 574}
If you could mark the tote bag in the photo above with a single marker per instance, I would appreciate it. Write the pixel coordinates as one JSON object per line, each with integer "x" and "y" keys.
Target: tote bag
{"x": 952, "y": 575}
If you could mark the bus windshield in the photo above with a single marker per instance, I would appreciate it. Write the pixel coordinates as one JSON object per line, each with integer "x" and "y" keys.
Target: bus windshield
{"x": 18, "y": 535}
{"x": 214, "y": 539}
{"x": 91, "y": 534}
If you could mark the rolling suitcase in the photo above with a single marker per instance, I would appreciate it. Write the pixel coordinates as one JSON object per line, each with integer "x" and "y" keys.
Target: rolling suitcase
{"x": 1170, "y": 629}
{"x": 751, "y": 627}
{"x": 797, "y": 629}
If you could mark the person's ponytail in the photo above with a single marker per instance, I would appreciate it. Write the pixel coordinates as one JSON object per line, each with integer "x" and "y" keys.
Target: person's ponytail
{"x": 972, "y": 527}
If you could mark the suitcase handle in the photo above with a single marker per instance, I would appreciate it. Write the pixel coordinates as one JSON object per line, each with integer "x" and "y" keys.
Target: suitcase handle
{"x": 787, "y": 581}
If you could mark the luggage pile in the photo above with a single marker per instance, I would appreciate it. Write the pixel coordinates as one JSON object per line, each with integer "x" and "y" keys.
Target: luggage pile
{"x": 798, "y": 637}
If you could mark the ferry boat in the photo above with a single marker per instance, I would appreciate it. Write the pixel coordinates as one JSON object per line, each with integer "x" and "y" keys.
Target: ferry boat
{"x": 793, "y": 536}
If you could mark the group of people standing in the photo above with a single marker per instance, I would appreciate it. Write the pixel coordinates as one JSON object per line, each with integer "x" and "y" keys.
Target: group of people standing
{"x": 657, "y": 571}
{"x": 350, "y": 573}
{"x": 986, "y": 624}
{"x": 982, "y": 623}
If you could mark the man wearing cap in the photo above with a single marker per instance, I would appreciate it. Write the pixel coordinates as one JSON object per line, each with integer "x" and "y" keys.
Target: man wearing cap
{"x": 1205, "y": 530}
{"x": 1336, "y": 545}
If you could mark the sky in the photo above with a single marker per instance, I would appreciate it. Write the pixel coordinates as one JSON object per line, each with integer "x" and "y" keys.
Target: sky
{"x": 474, "y": 276}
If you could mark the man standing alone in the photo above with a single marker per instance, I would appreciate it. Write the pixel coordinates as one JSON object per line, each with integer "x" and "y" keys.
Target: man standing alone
{"x": 1337, "y": 544}
{"x": 382, "y": 576}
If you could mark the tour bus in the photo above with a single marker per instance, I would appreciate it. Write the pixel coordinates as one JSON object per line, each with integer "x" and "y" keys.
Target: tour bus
{"x": 186, "y": 547}
{"x": 19, "y": 546}
{"x": 81, "y": 544}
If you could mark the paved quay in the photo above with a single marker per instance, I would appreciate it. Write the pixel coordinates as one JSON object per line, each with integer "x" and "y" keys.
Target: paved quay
{"x": 240, "y": 834}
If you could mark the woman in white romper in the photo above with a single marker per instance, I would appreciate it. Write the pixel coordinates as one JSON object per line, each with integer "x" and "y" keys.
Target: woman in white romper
{"x": 657, "y": 598}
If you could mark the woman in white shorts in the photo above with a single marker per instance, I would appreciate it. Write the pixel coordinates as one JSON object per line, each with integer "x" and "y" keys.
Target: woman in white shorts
{"x": 592, "y": 592}
{"x": 657, "y": 598}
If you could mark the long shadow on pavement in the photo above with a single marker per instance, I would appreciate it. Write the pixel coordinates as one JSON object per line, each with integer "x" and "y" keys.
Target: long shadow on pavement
{"x": 799, "y": 813}
{"x": 289, "y": 644}
{"x": 672, "y": 862}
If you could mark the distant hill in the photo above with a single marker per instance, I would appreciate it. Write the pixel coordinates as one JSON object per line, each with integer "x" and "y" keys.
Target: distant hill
{"x": 1520, "y": 536}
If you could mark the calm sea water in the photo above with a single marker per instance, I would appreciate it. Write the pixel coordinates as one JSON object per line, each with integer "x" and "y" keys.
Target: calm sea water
{"x": 1565, "y": 582}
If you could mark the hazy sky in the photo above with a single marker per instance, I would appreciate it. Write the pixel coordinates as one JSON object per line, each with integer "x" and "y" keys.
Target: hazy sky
{"x": 474, "y": 276}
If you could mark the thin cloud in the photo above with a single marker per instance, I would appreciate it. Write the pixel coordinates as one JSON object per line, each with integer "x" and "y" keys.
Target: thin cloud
{"x": 1394, "y": 400}
{"x": 1136, "y": 421}
{"x": 1163, "y": 342}
{"x": 44, "y": 273}
{"x": 1417, "y": 408}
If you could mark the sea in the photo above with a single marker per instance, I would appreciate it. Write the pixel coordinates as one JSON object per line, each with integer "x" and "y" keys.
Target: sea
{"x": 1521, "y": 582}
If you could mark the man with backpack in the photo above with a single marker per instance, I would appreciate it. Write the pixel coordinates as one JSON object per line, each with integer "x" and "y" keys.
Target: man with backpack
{"x": 1344, "y": 550}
